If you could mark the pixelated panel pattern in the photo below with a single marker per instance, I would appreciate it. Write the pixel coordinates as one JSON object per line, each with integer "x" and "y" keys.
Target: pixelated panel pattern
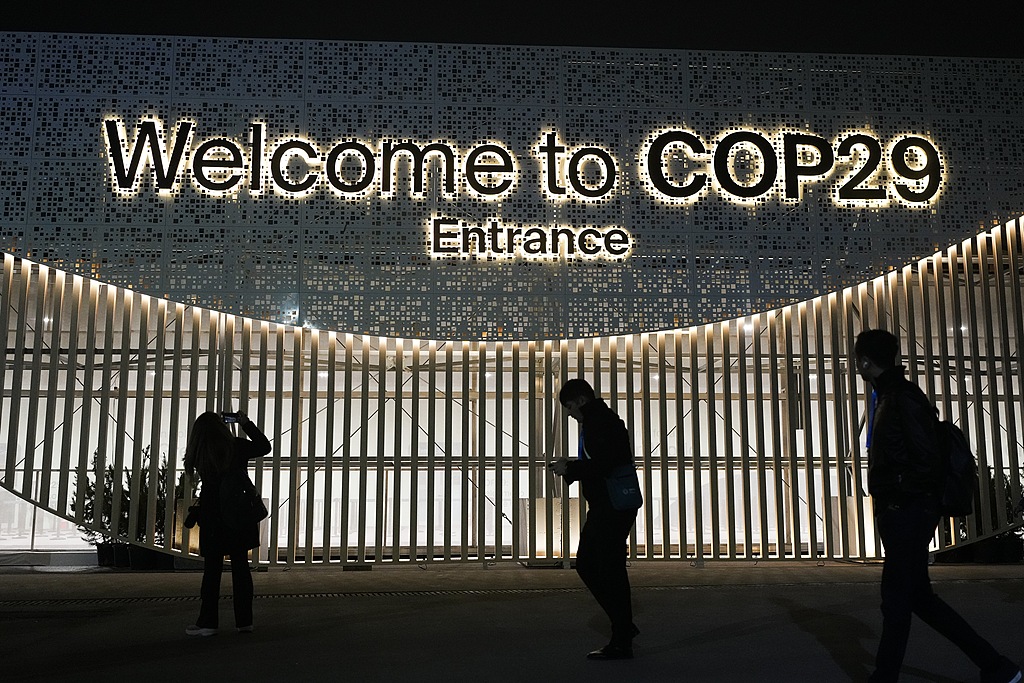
{"x": 303, "y": 182}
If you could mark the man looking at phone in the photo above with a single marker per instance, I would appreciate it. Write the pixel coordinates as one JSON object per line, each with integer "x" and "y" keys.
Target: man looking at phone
{"x": 601, "y": 555}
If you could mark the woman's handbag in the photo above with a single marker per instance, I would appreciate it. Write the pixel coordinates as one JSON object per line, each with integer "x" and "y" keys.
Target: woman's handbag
{"x": 240, "y": 501}
{"x": 624, "y": 488}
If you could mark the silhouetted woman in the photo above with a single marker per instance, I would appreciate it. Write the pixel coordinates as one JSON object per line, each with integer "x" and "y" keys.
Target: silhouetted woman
{"x": 212, "y": 452}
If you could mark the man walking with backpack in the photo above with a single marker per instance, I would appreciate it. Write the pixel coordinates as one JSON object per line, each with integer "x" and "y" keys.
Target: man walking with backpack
{"x": 907, "y": 467}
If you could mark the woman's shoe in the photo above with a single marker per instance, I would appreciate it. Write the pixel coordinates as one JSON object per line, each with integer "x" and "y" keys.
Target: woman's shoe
{"x": 194, "y": 630}
{"x": 612, "y": 651}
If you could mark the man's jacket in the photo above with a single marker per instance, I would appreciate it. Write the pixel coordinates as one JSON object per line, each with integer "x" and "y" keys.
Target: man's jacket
{"x": 905, "y": 458}
{"x": 606, "y": 441}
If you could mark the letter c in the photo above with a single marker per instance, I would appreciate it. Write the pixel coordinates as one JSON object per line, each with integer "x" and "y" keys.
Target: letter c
{"x": 277, "y": 165}
{"x": 655, "y": 166}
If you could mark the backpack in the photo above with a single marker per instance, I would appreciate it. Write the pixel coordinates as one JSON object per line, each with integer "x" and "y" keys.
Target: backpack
{"x": 962, "y": 474}
{"x": 240, "y": 502}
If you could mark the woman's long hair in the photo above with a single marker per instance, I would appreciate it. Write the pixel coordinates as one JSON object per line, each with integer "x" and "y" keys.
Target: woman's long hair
{"x": 209, "y": 446}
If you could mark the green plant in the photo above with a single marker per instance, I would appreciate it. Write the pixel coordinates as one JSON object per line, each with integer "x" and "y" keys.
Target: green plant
{"x": 97, "y": 500}
{"x": 1004, "y": 547}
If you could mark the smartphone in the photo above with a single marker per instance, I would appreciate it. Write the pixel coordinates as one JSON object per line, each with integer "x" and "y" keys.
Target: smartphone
{"x": 229, "y": 417}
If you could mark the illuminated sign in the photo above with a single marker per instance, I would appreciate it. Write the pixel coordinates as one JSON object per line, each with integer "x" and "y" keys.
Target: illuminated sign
{"x": 495, "y": 241}
{"x": 674, "y": 166}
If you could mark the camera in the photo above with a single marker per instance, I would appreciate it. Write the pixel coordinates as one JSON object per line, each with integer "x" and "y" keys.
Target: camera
{"x": 229, "y": 418}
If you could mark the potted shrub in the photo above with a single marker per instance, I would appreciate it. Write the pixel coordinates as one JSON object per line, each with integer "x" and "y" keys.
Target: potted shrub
{"x": 110, "y": 552}
{"x": 97, "y": 507}
{"x": 1007, "y": 547}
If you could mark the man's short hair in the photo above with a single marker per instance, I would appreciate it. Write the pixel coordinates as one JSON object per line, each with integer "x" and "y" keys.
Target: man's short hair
{"x": 575, "y": 388}
{"x": 880, "y": 346}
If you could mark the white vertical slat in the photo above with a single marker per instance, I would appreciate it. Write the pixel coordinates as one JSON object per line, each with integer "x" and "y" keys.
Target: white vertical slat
{"x": 445, "y": 448}
{"x": 10, "y": 288}
{"x": 364, "y": 447}
{"x": 643, "y": 430}
{"x": 712, "y": 430}
{"x": 516, "y": 377}
{"x": 158, "y": 434}
{"x": 38, "y": 305}
{"x": 545, "y": 416}
{"x": 175, "y": 418}
{"x": 664, "y": 456}
{"x": 781, "y": 519}
{"x": 16, "y": 436}
{"x": 431, "y": 446}
{"x": 299, "y": 458}
{"x": 533, "y": 429}
{"x": 330, "y": 446}
{"x": 728, "y": 453}
{"x": 697, "y": 450}
{"x": 308, "y": 427}
{"x": 53, "y": 325}
{"x": 743, "y": 434}
{"x": 810, "y": 494}
{"x": 261, "y": 409}
{"x": 124, "y": 301}
{"x": 552, "y": 417}
{"x": 68, "y": 466}
{"x": 791, "y": 475}
{"x": 466, "y": 441}
{"x": 416, "y": 542}
{"x": 757, "y": 331}
{"x": 826, "y": 449}
{"x": 840, "y": 424}
{"x": 348, "y": 410}
{"x": 500, "y": 455}
{"x": 480, "y": 463}
{"x": 397, "y": 422}
{"x": 143, "y": 412}
{"x": 380, "y": 522}
{"x": 679, "y": 415}
{"x": 280, "y": 476}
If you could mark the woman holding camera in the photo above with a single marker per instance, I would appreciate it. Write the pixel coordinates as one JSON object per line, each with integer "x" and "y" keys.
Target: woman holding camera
{"x": 213, "y": 454}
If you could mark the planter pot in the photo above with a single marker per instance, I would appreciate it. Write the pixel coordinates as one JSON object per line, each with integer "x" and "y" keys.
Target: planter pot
{"x": 148, "y": 559}
{"x": 1001, "y": 549}
{"x": 1005, "y": 548}
{"x": 112, "y": 555}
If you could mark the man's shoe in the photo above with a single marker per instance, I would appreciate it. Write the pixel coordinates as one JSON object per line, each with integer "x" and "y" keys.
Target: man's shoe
{"x": 1004, "y": 672}
{"x": 244, "y": 629}
{"x": 611, "y": 651}
{"x": 194, "y": 630}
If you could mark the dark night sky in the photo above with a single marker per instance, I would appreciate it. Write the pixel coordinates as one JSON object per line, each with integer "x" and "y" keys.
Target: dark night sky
{"x": 894, "y": 27}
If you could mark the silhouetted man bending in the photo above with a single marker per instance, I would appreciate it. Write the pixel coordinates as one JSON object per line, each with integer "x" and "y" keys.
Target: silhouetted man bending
{"x": 601, "y": 555}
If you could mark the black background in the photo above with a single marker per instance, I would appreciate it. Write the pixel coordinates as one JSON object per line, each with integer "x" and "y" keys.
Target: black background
{"x": 894, "y": 28}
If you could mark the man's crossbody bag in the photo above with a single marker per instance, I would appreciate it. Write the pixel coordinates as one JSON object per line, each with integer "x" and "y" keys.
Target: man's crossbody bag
{"x": 623, "y": 484}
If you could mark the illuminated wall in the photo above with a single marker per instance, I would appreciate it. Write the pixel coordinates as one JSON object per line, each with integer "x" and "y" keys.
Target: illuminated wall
{"x": 310, "y": 174}
{"x": 393, "y": 254}
{"x": 748, "y": 432}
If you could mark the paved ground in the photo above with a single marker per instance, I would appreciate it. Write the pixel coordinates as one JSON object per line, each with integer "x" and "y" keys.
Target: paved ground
{"x": 721, "y": 622}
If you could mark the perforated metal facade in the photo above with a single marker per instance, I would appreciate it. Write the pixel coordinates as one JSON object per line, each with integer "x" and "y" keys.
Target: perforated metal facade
{"x": 360, "y": 262}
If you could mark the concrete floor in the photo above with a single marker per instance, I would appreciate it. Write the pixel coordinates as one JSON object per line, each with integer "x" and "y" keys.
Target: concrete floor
{"x": 726, "y": 621}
